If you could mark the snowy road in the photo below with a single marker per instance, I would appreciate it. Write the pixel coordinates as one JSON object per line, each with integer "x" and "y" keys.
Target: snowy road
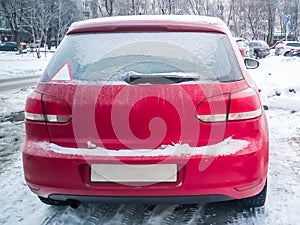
{"x": 17, "y": 83}
{"x": 20, "y": 206}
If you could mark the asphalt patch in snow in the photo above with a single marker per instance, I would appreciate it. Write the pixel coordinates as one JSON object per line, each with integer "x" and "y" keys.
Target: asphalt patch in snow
{"x": 11, "y": 139}
{"x": 13, "y": 117}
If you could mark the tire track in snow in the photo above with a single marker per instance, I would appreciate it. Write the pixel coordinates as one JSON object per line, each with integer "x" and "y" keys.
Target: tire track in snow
{"x": 135, "y": 214}
{"x": 101, "y": 214}
{"x": 182, "y": 215}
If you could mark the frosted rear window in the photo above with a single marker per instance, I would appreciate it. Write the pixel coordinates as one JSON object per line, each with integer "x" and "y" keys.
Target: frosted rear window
{"x": 101, "y": 57}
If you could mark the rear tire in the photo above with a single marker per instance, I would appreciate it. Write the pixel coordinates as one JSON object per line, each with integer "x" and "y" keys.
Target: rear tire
{"x": 255, "y": 201}
{"x": 287, "y": 54}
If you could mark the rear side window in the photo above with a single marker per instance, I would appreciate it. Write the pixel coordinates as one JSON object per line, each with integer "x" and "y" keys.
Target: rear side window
{"x": 121, "y": 57}
{"x": 293, "y": 44}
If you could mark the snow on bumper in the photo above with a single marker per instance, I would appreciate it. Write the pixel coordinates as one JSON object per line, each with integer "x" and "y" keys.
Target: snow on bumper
{"x": 227, "y": 147}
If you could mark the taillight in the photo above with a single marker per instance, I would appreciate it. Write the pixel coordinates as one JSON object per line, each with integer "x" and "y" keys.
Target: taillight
{"x": 240, "y": 105}
{"x": 213, "y": 109}
{"x": 34, "y": 107}
{"x": 45, "y": 108}
{"x": 244, "y": 105}
{"x": 261, "y": 49}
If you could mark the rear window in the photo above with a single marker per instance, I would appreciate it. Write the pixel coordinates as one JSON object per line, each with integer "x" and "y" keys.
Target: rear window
{"x": 123, "y": 57}
{"x": 253, "y": 44}
{"x": 264, "y": 44}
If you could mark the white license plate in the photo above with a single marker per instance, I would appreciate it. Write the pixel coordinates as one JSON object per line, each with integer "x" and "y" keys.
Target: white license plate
{"x": 133, "y": 173}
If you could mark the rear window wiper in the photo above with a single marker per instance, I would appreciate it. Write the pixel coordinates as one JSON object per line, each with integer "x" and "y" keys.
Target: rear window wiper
{"x": 160, "y": 78}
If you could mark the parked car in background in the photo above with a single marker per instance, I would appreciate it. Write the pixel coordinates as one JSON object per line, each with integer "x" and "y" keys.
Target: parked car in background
{"x": 8, "y": 46}
{"x": 259, "y": 49}
{"x": 163, "y": 110}
{"x": 243, "y": 47}
{"x": 285, "y": 47}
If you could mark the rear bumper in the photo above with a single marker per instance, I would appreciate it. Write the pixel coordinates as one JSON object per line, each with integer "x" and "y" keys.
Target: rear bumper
{"x": 199, "y": 178}
{"x": 263, "y": 54}
{"x": 144, "y": 199}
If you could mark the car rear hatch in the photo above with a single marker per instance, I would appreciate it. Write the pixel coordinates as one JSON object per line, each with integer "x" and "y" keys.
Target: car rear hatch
{"x": 128, "y": 93}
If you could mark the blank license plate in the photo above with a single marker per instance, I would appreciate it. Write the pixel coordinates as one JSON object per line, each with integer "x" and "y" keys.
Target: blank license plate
{"x": 133, "y": 173}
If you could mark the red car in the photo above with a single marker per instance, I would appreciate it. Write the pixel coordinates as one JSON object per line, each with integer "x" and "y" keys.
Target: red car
{"x": 147, "y": 108}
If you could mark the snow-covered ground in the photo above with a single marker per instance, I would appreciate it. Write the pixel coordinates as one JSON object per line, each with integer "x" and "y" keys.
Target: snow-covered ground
{"x": 279, "y": 79}
{"x": 13, "y": 65}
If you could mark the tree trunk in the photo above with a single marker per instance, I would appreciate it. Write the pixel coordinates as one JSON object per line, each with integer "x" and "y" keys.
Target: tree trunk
{"x": 109, "y": 7}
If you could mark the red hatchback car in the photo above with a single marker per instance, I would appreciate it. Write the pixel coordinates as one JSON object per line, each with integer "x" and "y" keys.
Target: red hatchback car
{"x": 150, "y": 109}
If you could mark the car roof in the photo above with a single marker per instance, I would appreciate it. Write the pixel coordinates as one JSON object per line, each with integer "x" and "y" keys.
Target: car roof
{"x": 150, "y": 23}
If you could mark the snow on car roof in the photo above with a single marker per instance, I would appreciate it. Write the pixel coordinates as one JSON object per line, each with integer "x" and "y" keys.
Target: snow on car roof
{"x": 178, "y": 18}
{"x": 182, "y": 21}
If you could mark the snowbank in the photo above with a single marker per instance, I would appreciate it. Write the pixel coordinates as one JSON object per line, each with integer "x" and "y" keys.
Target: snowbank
{"x": 13, "y": 65}
{"x": 279, "y": 79}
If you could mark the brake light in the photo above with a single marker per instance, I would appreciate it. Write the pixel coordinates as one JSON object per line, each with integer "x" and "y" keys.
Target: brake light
{"x": 244, "y": 105}
{"x": 45, "y": 108}
{"x": 261, "y": 49}
{"x": 34, "y": 107}
{"x": 241, "y": 105}
{"x": 213, "y": 109}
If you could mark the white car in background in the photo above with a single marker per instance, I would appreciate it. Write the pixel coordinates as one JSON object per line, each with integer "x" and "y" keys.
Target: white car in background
{"x": 285, "y": 47}
{"x": 243, "y": 47}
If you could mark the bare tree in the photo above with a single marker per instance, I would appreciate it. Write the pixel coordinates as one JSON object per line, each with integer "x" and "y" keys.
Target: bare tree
{"x": 294, "y": 31}
{"x": 12, "y": 11}
{"x": 271, "y": 6}
{"x": 253, "y": 19}
{"x": 66, "y": 12}
{"x": 109, "y": 7}
{"x": 196, "y": 6}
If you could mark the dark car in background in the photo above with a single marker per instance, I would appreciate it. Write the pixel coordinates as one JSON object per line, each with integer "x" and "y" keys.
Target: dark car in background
{"x": 8, "y": 46}
{"x": 259, "y": 49}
